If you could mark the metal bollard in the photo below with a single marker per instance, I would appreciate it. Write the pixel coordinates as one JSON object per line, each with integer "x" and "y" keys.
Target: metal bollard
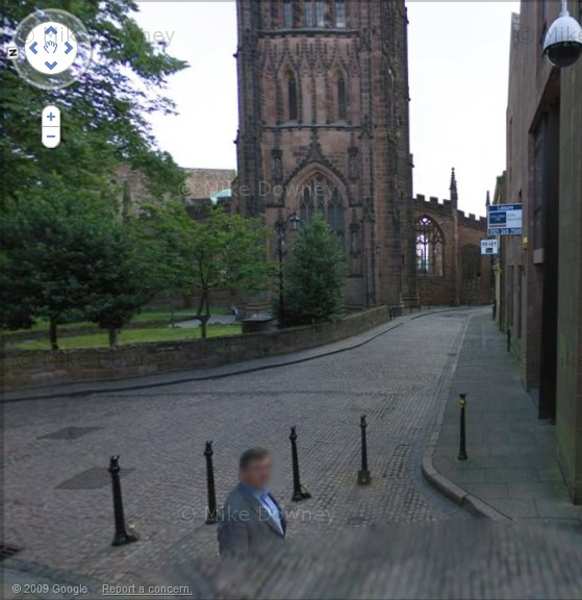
{"x": 364, "y": 477}
{"x": 211, "y": 516}
{"x": 494, "y": 310}
{"x": 122, "y": 536}
{"x": 299, "y": 492}
{"x": 463, "y": 440}
{"x": 509, "y": 340}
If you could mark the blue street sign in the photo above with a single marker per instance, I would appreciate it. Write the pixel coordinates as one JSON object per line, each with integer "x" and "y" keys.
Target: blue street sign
{"x": 504, "y": 219}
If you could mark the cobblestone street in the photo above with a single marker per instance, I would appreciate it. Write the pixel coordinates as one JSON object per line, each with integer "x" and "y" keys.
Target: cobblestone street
{"x": 58, "y": 496}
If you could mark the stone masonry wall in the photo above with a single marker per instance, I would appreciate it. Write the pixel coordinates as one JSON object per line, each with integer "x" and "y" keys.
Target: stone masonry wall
{"x": 26, "y": 369}
{"x": 466, "y": 230}
{"x": 569, "y": 388}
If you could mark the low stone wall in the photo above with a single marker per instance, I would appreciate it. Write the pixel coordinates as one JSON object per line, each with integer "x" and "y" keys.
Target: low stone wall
{"x": 31, "y": 368}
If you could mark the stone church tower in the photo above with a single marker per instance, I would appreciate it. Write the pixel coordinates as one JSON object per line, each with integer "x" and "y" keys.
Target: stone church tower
{"x": 324, "y": 126}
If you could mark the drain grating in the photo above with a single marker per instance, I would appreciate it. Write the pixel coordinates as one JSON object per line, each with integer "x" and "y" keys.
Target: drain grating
{"x": 91, "y": 479}
{"x": 68, "y": 433}
{"x": 7, "y": 551}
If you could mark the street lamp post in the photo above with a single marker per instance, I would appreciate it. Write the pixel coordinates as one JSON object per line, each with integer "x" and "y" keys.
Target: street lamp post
{"x": 281, "y": 229}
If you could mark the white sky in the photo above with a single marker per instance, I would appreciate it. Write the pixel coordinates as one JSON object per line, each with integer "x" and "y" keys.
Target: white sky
{"x": 459, "y": 53}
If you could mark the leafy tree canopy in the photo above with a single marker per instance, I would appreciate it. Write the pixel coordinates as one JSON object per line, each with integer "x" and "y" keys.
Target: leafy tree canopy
{"x": 220, "y": 251}
{"x": 104, "y": 114}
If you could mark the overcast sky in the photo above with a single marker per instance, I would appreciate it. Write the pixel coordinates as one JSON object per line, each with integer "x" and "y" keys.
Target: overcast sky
{"x": 459, "y": 54}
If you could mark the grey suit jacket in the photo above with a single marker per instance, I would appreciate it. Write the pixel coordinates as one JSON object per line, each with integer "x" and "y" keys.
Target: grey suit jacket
{"x": 246, "y": 527}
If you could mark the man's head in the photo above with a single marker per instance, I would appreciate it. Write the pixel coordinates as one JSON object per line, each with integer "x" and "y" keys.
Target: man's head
{"x": 255, "y": 467}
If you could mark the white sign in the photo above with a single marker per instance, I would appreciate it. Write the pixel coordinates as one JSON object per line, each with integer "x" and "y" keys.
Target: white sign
{"x": 489, "y": 248}
{"x": 504, "y": 219}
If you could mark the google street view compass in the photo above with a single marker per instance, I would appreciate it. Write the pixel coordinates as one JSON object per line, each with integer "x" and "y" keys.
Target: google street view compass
{"x": 53, "y": 49}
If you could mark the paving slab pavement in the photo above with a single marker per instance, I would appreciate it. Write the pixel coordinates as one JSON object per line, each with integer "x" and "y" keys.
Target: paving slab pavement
{"x": 512, "y": 465}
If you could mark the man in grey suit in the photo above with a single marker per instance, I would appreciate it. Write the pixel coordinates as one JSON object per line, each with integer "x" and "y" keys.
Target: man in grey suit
{"x": 251, "y": 518}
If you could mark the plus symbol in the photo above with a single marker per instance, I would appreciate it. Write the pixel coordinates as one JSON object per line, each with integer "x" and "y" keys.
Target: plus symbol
{"x": 50, "y": 117}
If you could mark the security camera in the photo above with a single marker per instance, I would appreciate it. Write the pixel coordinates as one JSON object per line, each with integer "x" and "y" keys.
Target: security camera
{"x": 563, "y": 43}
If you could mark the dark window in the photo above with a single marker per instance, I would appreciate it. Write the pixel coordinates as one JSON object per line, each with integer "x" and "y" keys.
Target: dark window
{"x": 288, "y": 14}
{"x": 342, "y": 99}
{"x": 429, "y": 248}
{"x": 340, "y": 13}
{"x": 292, "y": 92}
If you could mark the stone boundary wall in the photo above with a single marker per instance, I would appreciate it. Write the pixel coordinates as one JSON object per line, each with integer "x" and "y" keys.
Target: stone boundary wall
{"x": 21, "y": 369}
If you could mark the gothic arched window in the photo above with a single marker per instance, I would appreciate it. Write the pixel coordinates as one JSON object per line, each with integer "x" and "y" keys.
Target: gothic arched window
{"x": 306, "y": 208}
{"x": 309, "y": 13}
{"x": 430, "y": 247}
{"x": 342, "y": 99}
{"x": 288, "y": 14}
{"x": 340, "y": 13}
{"x": 320, "y": 195}
{"x": 314, "y": 11}
{"x": 320, "y": 13}
{"x": 335, "y": 213}
{"x": 292, "y": 96}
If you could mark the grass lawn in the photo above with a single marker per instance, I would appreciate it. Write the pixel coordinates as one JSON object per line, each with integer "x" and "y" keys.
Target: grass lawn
{"x": 146, "y": 315}
{"x": 180, "y": 314}
{"x": 132, "y": 336}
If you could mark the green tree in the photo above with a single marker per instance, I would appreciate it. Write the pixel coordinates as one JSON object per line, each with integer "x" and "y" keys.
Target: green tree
{"x": 104, "y": 114}
{"x": 314, "y": 275}
{"x": 164, "y": 234}
{"x": 228, "y": 251}
{"x": 123, "y": 279}
{"x": 47, "y": 251}
{"x": 62, "y": 258}
{"x": 59, "y": 207}
{"x": 219, "y": 251}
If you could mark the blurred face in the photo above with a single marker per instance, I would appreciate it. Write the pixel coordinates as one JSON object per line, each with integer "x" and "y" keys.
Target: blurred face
{"x": 258, "y": 473}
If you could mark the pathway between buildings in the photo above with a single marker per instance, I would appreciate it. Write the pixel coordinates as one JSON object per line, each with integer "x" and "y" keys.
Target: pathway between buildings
{"x": 512, "y": 462}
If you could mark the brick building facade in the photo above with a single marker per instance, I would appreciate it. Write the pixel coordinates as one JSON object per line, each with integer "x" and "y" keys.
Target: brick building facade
{"x": 540, "y": 273}
{"x": 324, "y": 125}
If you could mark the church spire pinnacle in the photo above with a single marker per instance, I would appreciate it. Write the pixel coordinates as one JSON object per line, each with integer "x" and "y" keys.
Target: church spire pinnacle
{"x": 453, "y": 188}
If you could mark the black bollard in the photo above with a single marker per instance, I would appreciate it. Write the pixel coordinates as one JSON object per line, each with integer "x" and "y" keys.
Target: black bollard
{"x": 211, "y": 516}
{"x": 299, "y": 492}
{"x": 122, "y": 536}
{"x": 509, "y": 340}
{"x": 463, "y": 441}
{"x": 364, "y": 477}
{"x": 494, "y": 310}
